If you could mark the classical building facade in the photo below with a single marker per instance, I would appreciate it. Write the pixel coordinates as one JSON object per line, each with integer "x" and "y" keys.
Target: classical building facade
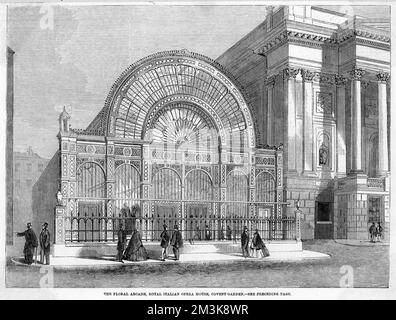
{"x": 319, "y": 81}
{"x": 293, "y": 116}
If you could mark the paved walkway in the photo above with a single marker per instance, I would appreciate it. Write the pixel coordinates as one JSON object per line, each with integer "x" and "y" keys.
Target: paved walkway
{"x": 361, "y": 243}
{"x": 205, "y": 258}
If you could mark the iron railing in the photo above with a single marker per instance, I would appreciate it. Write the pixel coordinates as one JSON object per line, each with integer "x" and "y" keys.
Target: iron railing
{"x": 105, "y": 229}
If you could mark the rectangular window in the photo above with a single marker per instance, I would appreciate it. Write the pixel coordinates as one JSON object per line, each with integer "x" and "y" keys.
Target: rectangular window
{"x": 374, "y": 209}
{"x": 323, "y": 212}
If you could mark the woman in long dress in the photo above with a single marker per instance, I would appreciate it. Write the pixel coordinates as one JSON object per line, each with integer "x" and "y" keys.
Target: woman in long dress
{"x": 258, "y": 247}
{"x": 135, "y": 250}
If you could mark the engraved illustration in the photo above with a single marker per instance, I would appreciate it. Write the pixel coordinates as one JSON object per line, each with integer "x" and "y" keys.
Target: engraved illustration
{"x": 198, "y": 146}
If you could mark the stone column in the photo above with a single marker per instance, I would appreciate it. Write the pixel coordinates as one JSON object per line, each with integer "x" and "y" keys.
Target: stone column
{"x": 383, "y": 167}
{"x": 356, "y": 111}
{"x": 270, "y": 114}
{"x": 341, "y": 144}
{"x": 308, "y": 109}
{"x": 289, "y": 75}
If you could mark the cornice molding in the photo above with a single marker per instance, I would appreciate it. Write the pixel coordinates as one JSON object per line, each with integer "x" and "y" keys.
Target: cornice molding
{"x": 314, "y": 40}
{"x": 303, "y": 38}
{"x": 349, "y": 33}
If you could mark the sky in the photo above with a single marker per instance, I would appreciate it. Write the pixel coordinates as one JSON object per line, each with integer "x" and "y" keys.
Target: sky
{"x": 71, "y": 55}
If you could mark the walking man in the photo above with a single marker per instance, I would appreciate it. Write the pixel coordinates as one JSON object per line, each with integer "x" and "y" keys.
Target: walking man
{"x": 372, "y": 232}
{"x": 228, "y": 233}
{"x": 45, "y": 244}
{"x": 245, "y": 242}
{"x": 164, "y": 242}
{"x": 121, "y": 235}
{"x": 30, "y": 243}
{"x": 176, "y": 241}
{"x": 378, "y": 232}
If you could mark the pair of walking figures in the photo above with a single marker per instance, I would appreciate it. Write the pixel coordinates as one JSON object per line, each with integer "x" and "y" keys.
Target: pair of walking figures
{"x": 257, "y": 246}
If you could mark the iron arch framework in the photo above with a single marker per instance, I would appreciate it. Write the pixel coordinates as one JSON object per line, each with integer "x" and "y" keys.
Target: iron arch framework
{"x": 176, "y": 143}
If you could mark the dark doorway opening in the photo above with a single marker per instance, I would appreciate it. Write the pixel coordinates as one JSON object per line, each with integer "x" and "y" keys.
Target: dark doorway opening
{"x": 324, "y": 220}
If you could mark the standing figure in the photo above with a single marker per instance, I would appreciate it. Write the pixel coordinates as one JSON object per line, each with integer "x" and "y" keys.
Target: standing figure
{"x": 228, "y": 233}
{"x": 127, "y": 215}
{"x": 258, "y": 247}
{"x": 221, "y": 234}
{"x": 45, "y": 244}
{"x": 245, "y": 242}
{"x": 197, "y": 234}
{"x": 378, "y": 232}
{"x": 121, "y": 236}
{"x": 176, "y": 241}
{"x": 164, "y": 242}
{"x": 135, "y": 250}
{"x": 30, "y": 243}
{"x": 208, "y": 234}
{"x": 372, "y": 232}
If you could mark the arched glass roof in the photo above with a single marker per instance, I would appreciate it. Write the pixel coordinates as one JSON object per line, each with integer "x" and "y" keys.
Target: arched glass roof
{"x": 173, "y": 77}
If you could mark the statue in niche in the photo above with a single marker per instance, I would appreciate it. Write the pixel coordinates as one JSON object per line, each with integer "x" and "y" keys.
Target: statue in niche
{"x": 323, "y": 155}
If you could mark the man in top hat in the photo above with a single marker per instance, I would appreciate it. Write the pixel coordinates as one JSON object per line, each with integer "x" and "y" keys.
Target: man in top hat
{"x": 121, "y": 236}
{"x": 45, "y": 244}
{"x": 164, "y": 242}
{"x": 245, "y": 242}
{"x": 30, "y": 243}
{"x": 176, "y": 241}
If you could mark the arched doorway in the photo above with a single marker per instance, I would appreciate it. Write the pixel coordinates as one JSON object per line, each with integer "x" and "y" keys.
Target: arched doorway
{"x": 199, "y": 207}
{"x": 237, "y": 202}
{"x": 166, "y": 207}
{"x": 88, "y": 224}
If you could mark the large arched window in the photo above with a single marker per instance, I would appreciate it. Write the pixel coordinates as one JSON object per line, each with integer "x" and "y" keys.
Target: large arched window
{"x": 198, "y": 186}
{"x": 127, "y": 186}
{"x": 91, "y": 187}
{"x": 265, "y": 187}
{"x": 90, "y": 181}
{"x": 237, "y": 190}
{"x": 166, "y": 186}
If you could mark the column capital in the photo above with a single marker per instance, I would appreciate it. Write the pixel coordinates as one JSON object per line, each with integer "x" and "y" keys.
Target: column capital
{"x": 356, "y": 73}
{"x": 289, "y": 73}
{"x": 383, "y": 77}
{"x": 340, "y": 81}
{"x": 308, "y": 75}
{"x": 270, "y": 81}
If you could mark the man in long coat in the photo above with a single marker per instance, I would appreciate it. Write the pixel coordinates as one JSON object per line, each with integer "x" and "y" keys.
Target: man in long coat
{"x": 245, "y": 242}
{"x": 45, "y": 244}
{"x": 121, "y": 236}
{"x": 176, "y": 242}
{"x": 164, "y": 242}
{"x": 30, "y": 243}
{"x": 127, "y": 215}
